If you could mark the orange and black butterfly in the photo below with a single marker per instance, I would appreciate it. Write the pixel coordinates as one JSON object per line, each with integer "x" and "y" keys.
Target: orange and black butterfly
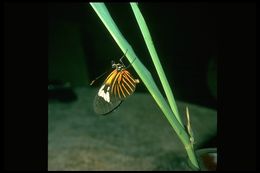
{"x": 118, "y": 85}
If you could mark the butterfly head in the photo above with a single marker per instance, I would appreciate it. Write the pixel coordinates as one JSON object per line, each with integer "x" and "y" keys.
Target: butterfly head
{"x": 118, "y": 66}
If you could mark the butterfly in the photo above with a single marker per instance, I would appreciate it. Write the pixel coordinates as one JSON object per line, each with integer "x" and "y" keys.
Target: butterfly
{"x": 118, "y": 85}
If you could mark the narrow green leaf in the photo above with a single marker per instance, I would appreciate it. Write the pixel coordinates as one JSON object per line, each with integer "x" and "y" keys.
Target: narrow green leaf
{"x": 149, "y": 43}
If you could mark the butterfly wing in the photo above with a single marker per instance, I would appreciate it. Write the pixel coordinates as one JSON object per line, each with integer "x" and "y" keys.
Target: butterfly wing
{"x": 105, "y": 101}
{"x": 124, "y": 85}
{"x": 117, "y": 86}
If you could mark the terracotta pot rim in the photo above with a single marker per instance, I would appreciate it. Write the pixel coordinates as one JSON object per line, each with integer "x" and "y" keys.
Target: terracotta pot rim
{"x": 206, "y": 150}
{"x": 198, "y": 153}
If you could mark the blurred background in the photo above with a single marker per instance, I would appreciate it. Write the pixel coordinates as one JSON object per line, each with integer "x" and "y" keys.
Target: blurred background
{"x": 184, "y": 34}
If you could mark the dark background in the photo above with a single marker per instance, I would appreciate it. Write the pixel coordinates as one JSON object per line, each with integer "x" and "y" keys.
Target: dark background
{"x": 184, "y": 35}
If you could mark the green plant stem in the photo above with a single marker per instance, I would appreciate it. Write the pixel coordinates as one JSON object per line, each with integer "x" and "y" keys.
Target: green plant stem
{"x": 145, "y": 76}
{"x": 149, "y": 43}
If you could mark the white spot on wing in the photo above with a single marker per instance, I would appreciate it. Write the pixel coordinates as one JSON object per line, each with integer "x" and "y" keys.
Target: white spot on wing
{"x": 103, "y": 94}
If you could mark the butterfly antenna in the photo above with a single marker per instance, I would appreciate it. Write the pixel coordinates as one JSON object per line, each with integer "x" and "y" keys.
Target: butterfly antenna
{"x": 131, "y": 63}
{"x": 123, "y": 57}
{"x": 122, "y": 61}
{"x": 92, "y": 82}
